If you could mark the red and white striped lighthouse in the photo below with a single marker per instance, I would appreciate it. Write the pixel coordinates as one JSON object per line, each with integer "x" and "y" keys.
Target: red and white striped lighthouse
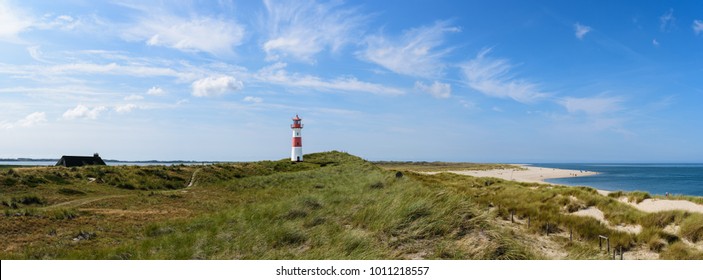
{"x": 296, "y": 153}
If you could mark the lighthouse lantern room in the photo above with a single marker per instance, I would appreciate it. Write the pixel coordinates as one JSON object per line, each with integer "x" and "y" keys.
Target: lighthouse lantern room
{"x": 296, "y": 153}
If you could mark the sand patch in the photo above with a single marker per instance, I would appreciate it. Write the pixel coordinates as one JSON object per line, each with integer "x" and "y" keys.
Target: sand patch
{"x": 656, "y": 205}
{"x": 597, "y": 214}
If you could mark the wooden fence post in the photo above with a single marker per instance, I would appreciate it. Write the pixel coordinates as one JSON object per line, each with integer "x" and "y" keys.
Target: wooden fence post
{"x": 571, "y": 234}
{"x": 600, "y": 243}
{"x": 608, "y": 241}
{"x": 511, "y": 216}
{"x": 547, "y": 228}
{"x": 620, "y": 252}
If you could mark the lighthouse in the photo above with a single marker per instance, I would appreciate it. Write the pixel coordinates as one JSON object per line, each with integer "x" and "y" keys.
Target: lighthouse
{"x": 296, "y": 153}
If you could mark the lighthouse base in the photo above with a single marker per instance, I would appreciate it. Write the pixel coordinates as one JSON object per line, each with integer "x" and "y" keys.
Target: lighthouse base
{"x": 296, "y": 154}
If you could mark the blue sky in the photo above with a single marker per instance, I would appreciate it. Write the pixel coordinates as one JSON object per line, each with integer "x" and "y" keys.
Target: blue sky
{"x": 483, "y": 81}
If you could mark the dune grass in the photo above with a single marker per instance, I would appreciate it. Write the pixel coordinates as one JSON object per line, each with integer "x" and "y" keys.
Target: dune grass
{"x": 332, "y": 206}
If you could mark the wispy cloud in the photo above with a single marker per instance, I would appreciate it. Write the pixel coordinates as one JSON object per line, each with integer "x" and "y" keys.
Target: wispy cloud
{"x": 28, "y": 121}
{"x": 83, "y": 112}
{"x": 133, "y": 97}
{"x": 667, "y": 21}
{"x": 13, "y": 21}
{"x": 697, "y": 26}
{"x": 125, "y": 108}
{"x": 592, "y": 105}
{"x": 436, "y": 89}
{"x": 197, "y": 33}
{"x": 581, "y": 30}
{"x": 216, "y": 86}
{"x": 277, "y": 74}
{"x": 492, "y": 77}
{"x": 416, "y": 53}
{"x": 301, "y": 29}
{"x": 253, "y": 99}
{"x": 157, "y": 91}
{"x": 655, "y": 42}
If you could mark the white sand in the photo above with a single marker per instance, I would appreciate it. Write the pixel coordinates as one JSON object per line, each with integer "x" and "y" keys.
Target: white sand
{"x": 531, "y": 174}
{"x": 656, "y": 205}
{"x": 534, "y": 174}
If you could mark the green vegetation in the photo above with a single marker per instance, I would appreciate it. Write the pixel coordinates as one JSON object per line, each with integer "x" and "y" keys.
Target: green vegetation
{"x": 332, "y": 206}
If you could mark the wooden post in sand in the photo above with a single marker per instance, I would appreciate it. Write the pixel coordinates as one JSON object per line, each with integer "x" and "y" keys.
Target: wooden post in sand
{"x": 608, "y": 241}
{"x": 547, "y": 228}
{"x": 511, "y": 216}
{"x": 620, "y": 252}
{"x": 571, "y": 234}
{"x": 600, "y": 242}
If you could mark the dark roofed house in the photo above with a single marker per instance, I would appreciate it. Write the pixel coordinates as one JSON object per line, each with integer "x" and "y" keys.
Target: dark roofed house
{"x": 71, "y": 161}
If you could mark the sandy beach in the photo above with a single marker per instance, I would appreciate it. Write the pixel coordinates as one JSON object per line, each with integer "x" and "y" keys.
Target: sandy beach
{"x": 530, "y": 174}
{"x": 533, "y": 174}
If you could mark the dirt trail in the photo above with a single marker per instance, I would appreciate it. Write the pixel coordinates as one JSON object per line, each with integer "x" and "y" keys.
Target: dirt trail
{"x": 82, "y": 201}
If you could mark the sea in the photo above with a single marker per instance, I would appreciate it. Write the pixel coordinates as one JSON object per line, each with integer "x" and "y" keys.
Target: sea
{"x": 654, "y": 178}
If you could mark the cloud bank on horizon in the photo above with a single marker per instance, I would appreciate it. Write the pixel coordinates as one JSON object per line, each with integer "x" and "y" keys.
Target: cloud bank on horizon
{"x": 503, "y": 81}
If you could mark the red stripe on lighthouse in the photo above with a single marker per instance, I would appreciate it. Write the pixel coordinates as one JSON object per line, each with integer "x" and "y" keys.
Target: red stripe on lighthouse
{"x": 297, "y": 141}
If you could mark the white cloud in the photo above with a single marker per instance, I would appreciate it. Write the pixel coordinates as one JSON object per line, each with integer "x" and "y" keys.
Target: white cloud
{"x": 133, "y": 97}
{"x": 491, "y": 77}
{"x": 253, "y": 99}
{"x": 13, "y": 21}
{"x": 437, "y": 89}
{"x": 415, "y": 53}
{"x": 60, "y": 22}
{"x": 301, "y": 29}
{"x": 581, "y": 30}
{"x": 28, "y": 121}
{"x": 83, "y": 112}
{"x": 126, "y": 108}
{"x": 655, "y": 42}
{"x": 591, "y": 105}
{"x": 36, "y": 53}
{"x": 156, "y": 91}
{"x": 214, "y": 86}
{"x": 697, "y": 26}
{"x": 667, "y": 21}
{"x": 198, "y": 33}
{"x": 278, "y": 75}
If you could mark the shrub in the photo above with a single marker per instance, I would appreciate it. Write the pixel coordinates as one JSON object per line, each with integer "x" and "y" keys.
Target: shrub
{"x": 67, "y": 191}
{"x": 64, "y": 214}
{"x": 31, "y": 199}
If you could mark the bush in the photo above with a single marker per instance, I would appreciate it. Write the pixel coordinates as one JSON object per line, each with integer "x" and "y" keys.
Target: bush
{"x": 66, "y": 191}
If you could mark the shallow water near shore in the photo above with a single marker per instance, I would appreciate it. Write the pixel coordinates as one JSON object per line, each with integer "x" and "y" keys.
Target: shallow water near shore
{"x": 684, "y": 179}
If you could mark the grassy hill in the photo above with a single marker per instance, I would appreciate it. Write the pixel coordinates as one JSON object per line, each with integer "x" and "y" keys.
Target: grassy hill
{"x": 332, "y": 206}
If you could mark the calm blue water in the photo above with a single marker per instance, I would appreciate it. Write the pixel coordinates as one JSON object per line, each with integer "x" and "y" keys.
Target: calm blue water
{"x": 686, "y": 179}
